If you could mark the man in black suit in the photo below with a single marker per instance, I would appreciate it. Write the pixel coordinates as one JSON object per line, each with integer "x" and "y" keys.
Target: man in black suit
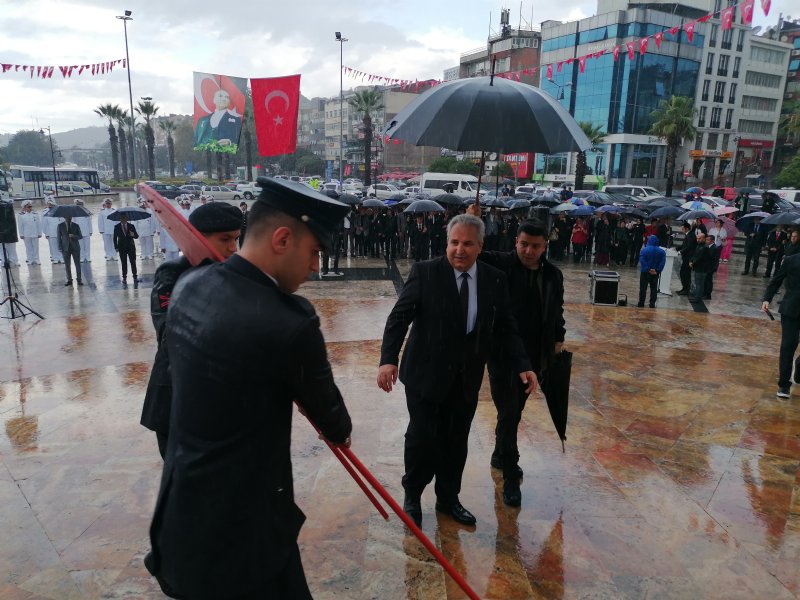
{"x": 789, "y": 273}
{"x": 688, "y": 246}
{"x": 69, "y": 236}
{"x": 714, "y": 253}
{"x": 242, "y": 347}
{"x": 755, "y": 233}
{"x": 700, "y": 265}
{"x": 458, "y": 307}
{"x": 776, "y": 241}
{"x": 124, "y": 234}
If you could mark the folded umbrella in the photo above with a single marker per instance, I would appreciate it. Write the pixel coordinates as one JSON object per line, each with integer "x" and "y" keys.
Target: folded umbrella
{"x": 555, "y": 387}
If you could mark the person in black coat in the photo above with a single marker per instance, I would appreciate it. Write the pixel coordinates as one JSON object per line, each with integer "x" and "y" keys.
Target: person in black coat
{"x": 536, "y": 289}
{"x": 688, "y": 246}
{"x": 637, "y": 240}
{"x": 755, "y": 234}
{"x": 775, "y": 242}
{"x": 243, "y": 347}
{"x": 69, "y": 235}
{"x": 124, "y": 234}
{"x": 700, "y": 265}
{"x": 458, "y": 308}
{"x": 789, "y": 276}
{"x": 420, "y": 237}
{"x": 714, "y": 253}
{"x": 220, "y": 224}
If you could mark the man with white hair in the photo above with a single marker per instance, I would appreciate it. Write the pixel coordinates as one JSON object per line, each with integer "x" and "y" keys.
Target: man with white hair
{"x": 85, "y": 225}
{"x": 50, "y": 230}
{"x": 106, "y": 229}
{"x": 29, "y": 228}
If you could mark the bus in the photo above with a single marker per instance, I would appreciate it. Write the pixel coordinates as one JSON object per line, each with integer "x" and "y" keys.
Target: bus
{"x": 5, "y": 191}
{"x": 34, "y": 182}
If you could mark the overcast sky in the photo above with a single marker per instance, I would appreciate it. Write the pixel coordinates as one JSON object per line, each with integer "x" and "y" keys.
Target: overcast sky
{"x": 169, "y": 39}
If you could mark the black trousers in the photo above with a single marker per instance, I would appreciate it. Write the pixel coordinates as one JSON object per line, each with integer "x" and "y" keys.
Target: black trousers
{"x": 790, "y": 329}
{"x": 75, "y": 255}
{"x": 752, "y": 253}
{"x": 647, "y": 280}
{"x": 709, "y": 284}
{"x": 773, "y": 259}
{"x": 636, "y": 249}
{"x": 509, "y": 397}
{"x": 437, "y": 442}
{"x": 130, "y": 254}
{"x": 685, "y": 274}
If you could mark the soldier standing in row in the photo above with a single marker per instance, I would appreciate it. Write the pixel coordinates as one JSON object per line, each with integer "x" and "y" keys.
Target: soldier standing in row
{"x": 29, "y": 227}
{"x": 106, "y": 229}
{"x": 85, "y": 225}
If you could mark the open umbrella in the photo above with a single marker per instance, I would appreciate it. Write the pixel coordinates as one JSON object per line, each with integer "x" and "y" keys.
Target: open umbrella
{"x": 397, "y": 196}
{"x": 696, "y": 205}
{"x": 564, "y": 207}
{"x": 349, "y": 199}
{"x": 331, "y": 194}
{"x": 555, "y": 387}
{"x": 448, "y": 200}
{"x": 663, "y": 201}
{"x": 747, "y": 190}
{"x": 582, "y": 211}
{"x": 578, "y": 201}
{"x": 725, "y": 210}
{"x": 745, "y": 220}
{"x": 666, "y": 211}
{"x": 69, "y": 210}
{"x": 515, "y": 204}
{"x": 493, "y": 201}
{"x": 633, "y": 211}
{"x": 691, "y": 215}
{"x": 424, "y": 206}
{"x": 609, "y": 208}
{"x": 134, "y": 213}
{"x": 373, "y": 203}
{"x": 782, "y": 218}
{"x": 407, "y": 201}
{"x": 696, "y": 190}
{"x": 523, "y": 196}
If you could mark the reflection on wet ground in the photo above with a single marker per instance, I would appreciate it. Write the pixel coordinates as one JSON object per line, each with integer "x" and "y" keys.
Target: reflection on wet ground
{"x": 681, "y": 477}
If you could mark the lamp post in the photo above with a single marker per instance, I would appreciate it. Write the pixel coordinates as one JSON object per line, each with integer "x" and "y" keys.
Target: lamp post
{"x": 125, "y": 18}
{"x": 560, "y": 95}
{"x": 736, "y": 139}
{"x": 52, "y": 159}
{"x": 341, "y": 41}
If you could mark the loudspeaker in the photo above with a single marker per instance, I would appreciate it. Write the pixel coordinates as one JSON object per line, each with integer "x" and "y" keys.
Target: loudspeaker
{"x": 8, "y": 224}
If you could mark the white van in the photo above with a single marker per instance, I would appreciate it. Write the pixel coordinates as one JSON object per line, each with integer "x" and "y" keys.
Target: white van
{"x": 788, "y": 194}
{"x": 638, "y": 191}
{"x": 438, "y": 183}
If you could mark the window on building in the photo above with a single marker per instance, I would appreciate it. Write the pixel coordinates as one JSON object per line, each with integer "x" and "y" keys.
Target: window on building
{"x": 732, "y": 95}
{"x": 759, "y": 103}
{"x": 728, "y": 118}
{"x": 712, "y": 141}
{"x": 762, "y": 79}
{"x": 796, "y": 43}
{"x": 701, "y": 121}
{"x": 722, "y": 65}
{"x": 706, "y": 86}
{"x": 709, "y": 63}
{"x": 737, "y": 62}
{"x": 717, "y": 6}
{"x": 794, "y": 65}
{"x": 712, "y": 36}
{"x": 750, "y": 126}
{"x": 716, "y": 115}
{"x": 767, "y": 55}
{"x": 719, "y": 91}
{"x": 727, "y": 36}
{"x": 725, "y": 139}
{"x": 740, "y": 41}
{"x": 698, "y": 141}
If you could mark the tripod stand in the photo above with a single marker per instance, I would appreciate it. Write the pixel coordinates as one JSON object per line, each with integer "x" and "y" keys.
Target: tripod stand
{"x": 12, "y": 298}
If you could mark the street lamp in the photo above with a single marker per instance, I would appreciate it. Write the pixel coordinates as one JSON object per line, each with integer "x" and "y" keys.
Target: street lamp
{"x": 736, "y": 139}
{"x": 125, "y": 18}
{"x": 341, "y": 41}
{"x": 52, "y": 158}
{"x": 560, "y": 88}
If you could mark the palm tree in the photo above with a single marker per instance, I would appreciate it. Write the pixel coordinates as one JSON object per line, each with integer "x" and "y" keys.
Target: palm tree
{"x": 107, "y": 112}
{"x": 367, "y": 102}
{"x": 595, "y": 135}
{"x": 673, "y": 121}
{"x": 169, "y": 127}
{"x": 120, "y": 115}
{"x": 148, "y": 110}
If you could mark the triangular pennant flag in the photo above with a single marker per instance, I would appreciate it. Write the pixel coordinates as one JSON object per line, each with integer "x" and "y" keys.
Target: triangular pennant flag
{"x": 689, "y": 28}
{"x": 658, "y": 37}
{"x": 705, "y": 18}
{"x": 549, "y": 71}
{"x": 124, "y": 62}
{"x": 16, "y": 67}
{"x": 6, "y": 67}
{"x": 615, "y": 52}
{"x": 582, "y": 63}
{"x": 747, "y": 12}
{"x": 50, "y": 72}
{"x": 558, "y": 67}
{"x": 24, "y": 67}
{"x": 81, "y": 68}
{"x": 631, "y": 46}
{"x": 569, "y": 61}
{"x": 726, "y": 16}
{"x": 69, "y": 71}
{"x": 765, "y": 4}
{"x": 38, "y": 70}
{"x": 673, "y": 31}
{"x": 643, "y": 45}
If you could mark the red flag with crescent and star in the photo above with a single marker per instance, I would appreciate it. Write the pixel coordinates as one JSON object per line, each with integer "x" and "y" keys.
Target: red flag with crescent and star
{"x": 275, "y": 106}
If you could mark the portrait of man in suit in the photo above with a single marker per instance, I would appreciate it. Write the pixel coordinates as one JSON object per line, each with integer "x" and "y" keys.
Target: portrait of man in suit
{"x": 223, "y": 125}
{"x": 456, "y": 307}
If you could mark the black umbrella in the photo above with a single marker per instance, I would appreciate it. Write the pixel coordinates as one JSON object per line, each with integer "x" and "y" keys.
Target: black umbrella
{"x": 664, "y": 201}
{"x": 331, "y": 194}
{"x": 492, "y": 201}
{"x": 397, "y": 196}
{"x": 667, "y": 211}
{"x": 747, "y": 190}
{"x": 782, "y": 218}
{"x": 69, "y": 210}
{"x": 488, "y": 114}
{"x": 424, "y": 206}
{"x": 555, "y": 387}
{"x": 407, "y": 201}
{"x": 349, "y": 199}
{"x": 633, "y": 211}
{"x": 373, "y": 203}
{"x": 134, "y": 213}
{"x": 521, "y": 203}
{"x": 691, "y": 215}
{"x": 523, "y": 196}
{"x": 448, "y": 200}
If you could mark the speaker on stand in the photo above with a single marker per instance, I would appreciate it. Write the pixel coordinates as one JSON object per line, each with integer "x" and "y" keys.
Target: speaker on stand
{"x": 8, "y": 235}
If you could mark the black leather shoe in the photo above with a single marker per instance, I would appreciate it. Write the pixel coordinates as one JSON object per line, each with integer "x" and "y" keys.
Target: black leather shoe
{"x": 68, "y": 283}
{"x": 497, "y": 463}
{"x": 458, "y": 512}
{"x": 413, "y": 508}
{"x": 80, "y": 282}
{"x": 512, "y": 496}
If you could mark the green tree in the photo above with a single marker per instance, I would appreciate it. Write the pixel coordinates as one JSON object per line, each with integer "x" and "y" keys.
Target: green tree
{"x": 449, "y": 164}
{"x": 506, "y": 170}
{"x": 367, "y": 103}
{"x": 107, "y": 112}
{"x": 148, "y": 110}
{"x": 31, "y": 147}
{"x": 310, "y": 164}
{"x": 120, "y": 116}
{"x": 673, "y": 121}
{"x": 595, "y": 135}
{"x": 168, "y": 126}
{"x": 790, "y": 174}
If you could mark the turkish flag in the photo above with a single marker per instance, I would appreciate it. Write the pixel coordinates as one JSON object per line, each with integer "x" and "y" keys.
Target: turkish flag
{"x": 747, "y": 11}
{"x": 582, "y": 63}
{"x": 643, "y": 45}
{"x": 660, "y": 36}
{"x": 549, "y": 71}
{"x": 631, "y": 46}
{"x": 275, "y": 105}
{"x": 674, "y": 31}
{"x": 615, "y": 52}
{"x": 689, "y": 28}
{"x": 765, "y": 4}
{"x": 726, "y": 16}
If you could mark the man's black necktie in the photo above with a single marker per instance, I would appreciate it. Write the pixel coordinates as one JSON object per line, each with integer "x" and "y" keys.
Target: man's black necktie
{"x": 464, "y": 297}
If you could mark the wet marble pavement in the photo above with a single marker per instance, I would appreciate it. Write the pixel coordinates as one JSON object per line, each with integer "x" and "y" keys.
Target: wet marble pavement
{"x": 681, "y": 477}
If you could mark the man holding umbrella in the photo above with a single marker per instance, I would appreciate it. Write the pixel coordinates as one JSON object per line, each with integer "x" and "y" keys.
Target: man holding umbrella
{"x": 124, "y": 234}
{"x": 69, "y": 236}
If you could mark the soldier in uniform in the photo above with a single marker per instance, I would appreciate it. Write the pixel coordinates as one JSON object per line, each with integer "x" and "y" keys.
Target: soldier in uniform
{"x": 220, "y": 224}
{"x": 106, "y": 229}
{"x": 85, "y": 225}
{"x": 50, "y": 230}
{"x": 147, "y": 229}
{"x": 242, "y": 348}
{"x": 29, "y": 228}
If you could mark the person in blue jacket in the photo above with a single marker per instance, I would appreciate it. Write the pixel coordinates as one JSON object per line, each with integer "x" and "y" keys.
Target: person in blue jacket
{"x": 651, "y": 263}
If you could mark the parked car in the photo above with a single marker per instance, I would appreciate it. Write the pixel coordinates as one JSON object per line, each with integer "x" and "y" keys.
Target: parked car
{"x": 525, "y": 189}
{"x": 412, "y": 190}
{"x": 69, "y": 189}
{"x": 194, "y": 190}
{"x": 788, "y": 194}
{"x": 168, "y": 191}
{"x": 248, "y": 189}
{"x": 727, "y": 193}
{"x": 221, "y": 192}
{"x": 381, "y": 191}
{"x": 636, "y": 191}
